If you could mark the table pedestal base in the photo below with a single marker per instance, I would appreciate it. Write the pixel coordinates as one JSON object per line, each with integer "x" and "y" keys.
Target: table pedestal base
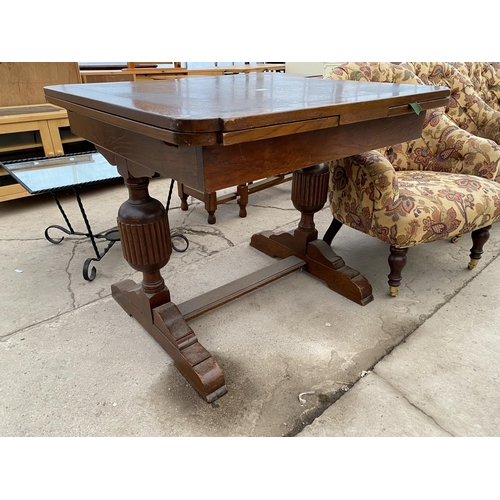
{"x": 146, "y": 244}
{"x": 167, "y": 326}
{"x": 321, "y": 261}
{"x": 309, "y": 193}
{"x": 167, "y": 323}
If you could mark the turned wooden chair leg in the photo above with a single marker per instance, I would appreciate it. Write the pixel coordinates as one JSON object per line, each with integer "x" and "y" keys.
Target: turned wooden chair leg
{"x": 332, "y": 231}
{"x": 242, "y": 194}
{"x": 211, "y": 206}
{"x": 397, "y": 261}
{"x": 183, "y": 196}
{"x": 479, "y": 238}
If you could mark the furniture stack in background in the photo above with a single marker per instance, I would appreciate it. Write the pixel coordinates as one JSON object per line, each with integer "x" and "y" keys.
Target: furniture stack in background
{"x": 29, "y": 126}
{"x": 32, "y": 128}
{"x": 438, "y": 186}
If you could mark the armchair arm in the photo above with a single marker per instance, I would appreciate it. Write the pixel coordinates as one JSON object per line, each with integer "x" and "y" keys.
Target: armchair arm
{"x": 361, "y": 184}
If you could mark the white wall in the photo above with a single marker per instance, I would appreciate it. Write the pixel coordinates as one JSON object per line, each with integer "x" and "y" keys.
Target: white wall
{"x": 304, "y": 68}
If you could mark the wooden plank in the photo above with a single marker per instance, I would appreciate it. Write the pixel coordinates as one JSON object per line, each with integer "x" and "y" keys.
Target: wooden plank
{"x": 226, "y": 293}
{"x": 22, "y": 83}
{"x": 167, "y": 136}
{"x": 11, "y": 111}
{"x": 48, "y": 146}
{"x": 12, "y": 192}
{"x": 6, "y": 118}
{"x": 241, "y": 68}
{"x": 106, "y": 76}
{"x": 12, "y": 128}
{"x": 256, "y": 134}
{"x": 155, "y": 71}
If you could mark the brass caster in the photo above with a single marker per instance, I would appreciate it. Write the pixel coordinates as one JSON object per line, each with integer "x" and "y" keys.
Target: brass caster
{"x": 393, "y": 290}
{"x": 456, "y": 238}
{"x": 473, "y": 263}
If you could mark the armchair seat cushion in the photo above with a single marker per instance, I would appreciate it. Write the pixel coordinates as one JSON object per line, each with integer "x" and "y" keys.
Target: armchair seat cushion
{"x": 424, "y": 206}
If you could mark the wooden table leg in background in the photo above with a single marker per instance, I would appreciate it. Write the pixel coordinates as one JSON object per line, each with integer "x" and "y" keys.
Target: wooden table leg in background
{"x": 309, "y": 194}
{"x": 145, "y": 236}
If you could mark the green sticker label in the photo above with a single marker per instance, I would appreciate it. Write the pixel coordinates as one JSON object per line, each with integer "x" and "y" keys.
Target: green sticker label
{"x": 416, "y": 107}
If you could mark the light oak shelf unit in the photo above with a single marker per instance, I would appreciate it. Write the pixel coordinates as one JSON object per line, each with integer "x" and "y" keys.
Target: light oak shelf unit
{"x": 25, "y": 129}
{"x": 29, "y": 126}
{"x": 45, "y": 120}
{"x": 145, "y": 71}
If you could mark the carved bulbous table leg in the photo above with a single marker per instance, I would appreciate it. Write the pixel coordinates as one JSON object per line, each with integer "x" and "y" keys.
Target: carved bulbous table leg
{"x": 145, "y": 236}
{"x": 309, "y": 194}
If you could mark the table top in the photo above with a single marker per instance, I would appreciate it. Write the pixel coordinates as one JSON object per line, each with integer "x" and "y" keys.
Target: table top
{"x": 41, "y": 175}
{"x": 228, "y": 109}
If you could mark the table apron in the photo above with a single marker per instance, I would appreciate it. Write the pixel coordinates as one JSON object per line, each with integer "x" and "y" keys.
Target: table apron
{"x": 210, "y": 168}
{"x": 146, "y": 155}
{"x": 226, "y": 166}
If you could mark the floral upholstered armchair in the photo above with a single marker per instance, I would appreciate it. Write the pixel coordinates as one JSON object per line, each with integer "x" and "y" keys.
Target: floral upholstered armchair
{"x": 438, "y": 186}
{"x": 467, "y": 109}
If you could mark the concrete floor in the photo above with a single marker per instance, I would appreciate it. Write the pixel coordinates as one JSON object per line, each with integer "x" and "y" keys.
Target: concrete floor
{"x": 74, "y": 364}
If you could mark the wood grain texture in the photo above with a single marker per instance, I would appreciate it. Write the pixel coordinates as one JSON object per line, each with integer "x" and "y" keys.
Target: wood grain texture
{"x": 240, "y": 103}
{"x": 22, "y": 83}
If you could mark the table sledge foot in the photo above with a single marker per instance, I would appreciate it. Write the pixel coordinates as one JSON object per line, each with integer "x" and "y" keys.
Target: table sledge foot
{"x": 321, "y": 261}
{"x": 165, "y": 323}
{"x": 309, "y": 193}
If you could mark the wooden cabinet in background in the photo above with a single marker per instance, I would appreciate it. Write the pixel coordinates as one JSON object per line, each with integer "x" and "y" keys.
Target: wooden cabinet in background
{"x": 29, "y": 126}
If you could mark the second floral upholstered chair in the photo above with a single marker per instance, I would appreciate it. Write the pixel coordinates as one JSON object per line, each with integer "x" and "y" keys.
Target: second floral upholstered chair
{"x": 436, "y": 187}
{"x": 443, "y": 145}
{"x": 467, "y": 109}
{"x": 485, "y": 77}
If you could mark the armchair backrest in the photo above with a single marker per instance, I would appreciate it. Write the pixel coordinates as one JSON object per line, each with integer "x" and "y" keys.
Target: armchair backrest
{"x": 373, "y": 72}
{"x": 486, "y": 80}
{"x": 443, "y": 145}
{"x": 466, "y": 107}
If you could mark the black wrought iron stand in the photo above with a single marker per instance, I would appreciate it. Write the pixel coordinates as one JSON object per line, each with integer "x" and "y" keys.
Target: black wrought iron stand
{"x": 112, "y": 236}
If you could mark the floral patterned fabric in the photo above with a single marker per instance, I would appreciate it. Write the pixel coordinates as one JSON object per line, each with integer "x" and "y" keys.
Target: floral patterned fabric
{"x": 443, "y": 145}
{"x": 435, "y": 187}
{"x": 410, "y": 207}
{"x": 466, "y": 107}
{"x": 486, "y": 80}
{"x": 373, "y": 72}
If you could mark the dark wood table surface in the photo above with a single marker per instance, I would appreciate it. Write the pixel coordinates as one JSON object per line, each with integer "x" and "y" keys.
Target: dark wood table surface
{"x": 216, "y": 132}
